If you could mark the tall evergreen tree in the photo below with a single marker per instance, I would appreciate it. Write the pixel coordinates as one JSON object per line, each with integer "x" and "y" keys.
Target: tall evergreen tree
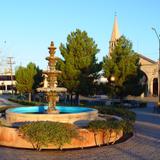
{"x": 79, "y": 65}
{"x": 124, "y": 65}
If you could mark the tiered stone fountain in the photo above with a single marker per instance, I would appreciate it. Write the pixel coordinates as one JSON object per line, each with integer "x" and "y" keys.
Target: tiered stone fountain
{"x": 9, "y": 136}
{"x": 50, "y": 87}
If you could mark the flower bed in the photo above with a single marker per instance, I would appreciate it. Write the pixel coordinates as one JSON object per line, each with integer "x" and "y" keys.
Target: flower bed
{"x": 11, "y": 137}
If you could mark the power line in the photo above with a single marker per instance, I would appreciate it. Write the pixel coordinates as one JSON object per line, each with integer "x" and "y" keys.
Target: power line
{"x": 11, "y": 62}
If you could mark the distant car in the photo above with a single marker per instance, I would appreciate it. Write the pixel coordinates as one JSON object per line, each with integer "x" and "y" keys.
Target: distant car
{"x": 130, "y": 103}
{"x": 108, "y": 102}
{"x": 113, "y": 102}
{"x": 135, "y": 103}
{"x": 21, "y": 97}
{"x": 126, "y": 104}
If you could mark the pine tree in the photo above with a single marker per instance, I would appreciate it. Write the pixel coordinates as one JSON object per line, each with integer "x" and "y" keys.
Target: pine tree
{"x": 124, "y": 65}
{"x": 79, "y": 65}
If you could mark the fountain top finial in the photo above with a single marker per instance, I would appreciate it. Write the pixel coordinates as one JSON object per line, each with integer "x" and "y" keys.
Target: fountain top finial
{"x": 52, "y": 48}
{"x": 52, "y": 44}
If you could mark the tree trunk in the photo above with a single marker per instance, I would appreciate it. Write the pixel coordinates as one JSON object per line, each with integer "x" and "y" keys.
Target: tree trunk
{"x": 71, "y": 99}
{"x": 65, "y": 98}
{"x": 77, "y": 98}
{"x": 29, "y": 97}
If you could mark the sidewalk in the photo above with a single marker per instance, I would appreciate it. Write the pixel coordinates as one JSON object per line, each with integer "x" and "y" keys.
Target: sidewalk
{"x": 5, "y": 102}
{"x": 146, "y": 99}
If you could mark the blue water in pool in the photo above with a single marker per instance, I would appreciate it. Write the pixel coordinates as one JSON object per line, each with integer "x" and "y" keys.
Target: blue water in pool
{"x": 42, "y": 109}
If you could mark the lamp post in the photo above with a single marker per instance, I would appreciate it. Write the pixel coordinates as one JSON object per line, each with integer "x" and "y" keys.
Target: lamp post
{"x": 112, "y": 83}
{"x": 158, "y": 36}
{"x": 112, "y": 79}
{"x": 3, "y": 87}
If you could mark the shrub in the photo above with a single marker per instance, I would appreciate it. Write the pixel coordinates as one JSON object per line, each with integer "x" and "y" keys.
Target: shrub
{"x": 97, "y": 125}
{"x": 128, "y": 127}
{"x": 102, "y": 125}
{"x": 43, "y": 133}
{"x": 106, "y": 127}
{"x": 118, "y": 111}
{"x": 24, "y": 102}
{"x": 128, "y": 116}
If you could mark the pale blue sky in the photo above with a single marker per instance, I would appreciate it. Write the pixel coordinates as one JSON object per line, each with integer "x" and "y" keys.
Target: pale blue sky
{"x": 28, "y": 26}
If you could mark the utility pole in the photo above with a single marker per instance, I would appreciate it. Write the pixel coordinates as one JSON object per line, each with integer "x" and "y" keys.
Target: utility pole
{"x": 158, "y": 37}
{"x": 10, "y": 62}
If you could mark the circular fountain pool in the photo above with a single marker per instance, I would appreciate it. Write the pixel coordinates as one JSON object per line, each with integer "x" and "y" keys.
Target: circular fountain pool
{"x": 77, "y": 115}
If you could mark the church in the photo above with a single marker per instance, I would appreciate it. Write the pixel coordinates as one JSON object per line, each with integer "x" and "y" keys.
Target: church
{"x": 148, "y": 66}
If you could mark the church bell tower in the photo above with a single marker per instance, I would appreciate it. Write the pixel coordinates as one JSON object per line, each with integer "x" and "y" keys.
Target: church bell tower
{"x": 115, "y": 35}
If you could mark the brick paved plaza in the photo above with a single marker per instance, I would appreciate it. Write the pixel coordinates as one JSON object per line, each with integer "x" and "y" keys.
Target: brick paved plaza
{"x": 144, "y": 145}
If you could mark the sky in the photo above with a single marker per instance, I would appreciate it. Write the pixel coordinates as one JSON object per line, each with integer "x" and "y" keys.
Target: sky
{"x": 28, "y": 26}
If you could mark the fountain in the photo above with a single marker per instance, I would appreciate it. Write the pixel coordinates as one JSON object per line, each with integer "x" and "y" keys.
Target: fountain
{"x": 70, "y": 114}
{"x": 50, "y": 87}
{"x": 9, "y": 135}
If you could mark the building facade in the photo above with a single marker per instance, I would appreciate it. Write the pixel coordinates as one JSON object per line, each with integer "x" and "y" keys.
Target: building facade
{"x": 7, "y": 83}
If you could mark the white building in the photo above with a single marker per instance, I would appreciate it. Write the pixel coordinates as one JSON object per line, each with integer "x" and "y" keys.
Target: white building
{"x": 7, "y": 83}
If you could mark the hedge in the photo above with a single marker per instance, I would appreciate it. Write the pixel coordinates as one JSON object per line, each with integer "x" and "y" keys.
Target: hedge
{"x": 24, "y": 102}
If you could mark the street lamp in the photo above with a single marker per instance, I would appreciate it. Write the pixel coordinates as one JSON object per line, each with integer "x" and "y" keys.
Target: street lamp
{"x": 112, "y": 85}
{"x": 3, "y": 87}
{"x": 158, "y": 36}
{"x": 112, "y": 79}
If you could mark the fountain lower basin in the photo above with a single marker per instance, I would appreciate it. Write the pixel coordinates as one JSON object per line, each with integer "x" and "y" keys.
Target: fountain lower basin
{"x": 77, "y": 115}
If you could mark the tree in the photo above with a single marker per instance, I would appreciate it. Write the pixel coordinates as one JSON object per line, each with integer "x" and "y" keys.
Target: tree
{"x": 25, "y": 78}
{"x": 79, "y": 67}
{"x": 124, "y": 65}
{"x": 38, "y": 79}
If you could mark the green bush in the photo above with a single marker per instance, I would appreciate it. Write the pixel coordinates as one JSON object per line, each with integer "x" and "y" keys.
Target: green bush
{"x": 128, "y": 127}
{"x": 128, "y": 116}
{"x": 97, "y": 125}
{"x": 106, "y": 127}
{"x": 43, "y": 133}
{"x": 24, "y": 102}
{"x": 118, "y": 111}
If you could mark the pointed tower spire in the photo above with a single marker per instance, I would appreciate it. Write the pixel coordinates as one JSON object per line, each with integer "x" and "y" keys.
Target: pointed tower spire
{"x": 115, "y": 35}
{"x": 115, "y": 32}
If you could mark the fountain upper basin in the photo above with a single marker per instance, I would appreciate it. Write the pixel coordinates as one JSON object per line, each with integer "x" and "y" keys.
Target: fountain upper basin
{"x": 77, "y": 115}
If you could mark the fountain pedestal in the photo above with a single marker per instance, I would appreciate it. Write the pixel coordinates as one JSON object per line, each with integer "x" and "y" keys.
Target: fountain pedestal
{"x": 52, "y": 99}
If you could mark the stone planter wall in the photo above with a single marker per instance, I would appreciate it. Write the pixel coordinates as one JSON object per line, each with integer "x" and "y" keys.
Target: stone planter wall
{"x": 11, "y": 138}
